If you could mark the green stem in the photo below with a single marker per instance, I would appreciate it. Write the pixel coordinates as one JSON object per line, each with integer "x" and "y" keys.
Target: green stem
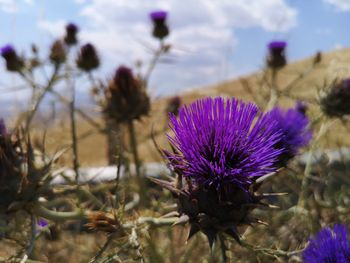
{"x": 58, "y": 216}
{"x": 133, "y": 145}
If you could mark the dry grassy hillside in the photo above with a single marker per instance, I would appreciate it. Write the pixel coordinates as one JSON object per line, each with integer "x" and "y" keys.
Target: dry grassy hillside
{"x": 308, "y": 81}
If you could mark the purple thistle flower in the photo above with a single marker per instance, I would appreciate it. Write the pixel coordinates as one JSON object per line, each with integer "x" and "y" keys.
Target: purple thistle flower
{"x": 329, "y": 246}
{"x": 42, "y": 223}
{"x": 160, "y": 28}
{"x": 277, "y": 45}
{"x": 158, "y": 16}
{"x": 223, "y": 144}
{"x": 294, "y": 126}
{"x": 3, "y": 130}
{"x": 6, "y": 50}
{"x": 13, "y": 62}
{"x": 276, "y": 58}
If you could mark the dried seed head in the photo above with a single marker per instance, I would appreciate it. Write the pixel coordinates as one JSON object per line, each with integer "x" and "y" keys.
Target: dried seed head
{"x": 126, "y": 97}
{"x": 58, "y": 53}
{"x": 336, "y": 102}
{"x": 100, "y": 221}
{"x": 88, "y": 59}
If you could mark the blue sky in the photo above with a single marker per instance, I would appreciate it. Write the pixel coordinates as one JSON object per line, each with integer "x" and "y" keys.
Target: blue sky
{"x": 212, "y": 41}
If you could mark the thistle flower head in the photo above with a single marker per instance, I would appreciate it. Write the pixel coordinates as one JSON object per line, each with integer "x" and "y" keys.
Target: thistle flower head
{"x": 223, "y": 144}
{"x": 71, "y": 34}
{"x": 221, "y": 149}
{"x": 276, "y": 58}
{"x": 160, "y": 28}
{"x": 88, "y": 59}
{"x": 294, "y": 126}
{"x": 329, "y": 246}
{"x": 336, "y": 102}
{"x": 13, "y": 62}
{"x": 126, "y": 97}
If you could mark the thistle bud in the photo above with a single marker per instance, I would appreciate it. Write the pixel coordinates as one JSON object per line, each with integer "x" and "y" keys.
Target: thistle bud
{"x": 13, "y": 62}
{"x": 276, "y": 58}
{"x": 174, "y": 105}
{"x": 58, "y": 53}
{"x": 160, "y": 28}
{"x": 336, "y": 102}
{"x": 317, "y": 58}
{"x": 103, "y": 222}
{"x": 71, "y": 34}
{"x": 88, "y": 59}
{"x": 126, "y": 97}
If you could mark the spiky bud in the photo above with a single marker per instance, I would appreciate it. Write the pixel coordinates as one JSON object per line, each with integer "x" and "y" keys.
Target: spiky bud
{"x": 88, "y": 59}
{"x": 103, "y": 222}
{"x": 160, "y": 28}
{"x": 71, "y": 34}
{"x": 13, "y": 62}
{"x": 58, "y": 53}
{"x": 336, "y": 102}
{"x": 276, "y": 58}
{"x": 126, "y": 97}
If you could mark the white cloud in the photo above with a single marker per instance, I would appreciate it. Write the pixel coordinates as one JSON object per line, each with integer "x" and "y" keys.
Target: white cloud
{"x": 8, "y": 6}
{"x": 202, "y": 32}
{"x": 341, "y": 5}
{"x": 56, "y": 28}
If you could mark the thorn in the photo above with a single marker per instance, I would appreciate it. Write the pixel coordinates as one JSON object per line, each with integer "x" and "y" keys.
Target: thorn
{"x": 193, "y": 230}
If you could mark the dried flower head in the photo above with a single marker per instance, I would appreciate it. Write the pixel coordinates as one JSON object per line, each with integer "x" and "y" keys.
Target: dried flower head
{"x": 13, "y": 62}
{"x": 88, "y": 59}
{"x": 71, "y": 34}
{"x": 221, "y": 148}
{"x": 126, "y": 97}
{"x": 294, "y": 126}
{"x": 160, "y": 28}
{"x": 276, "y": 58}
{"x": 100, "y": 221}
{"x": 329, "y": 246}
{"x": 336, "y": 102}
{"x": 174, "y": 104}
{"x": 58, "y": 53}
{"x": 21, "y": 175}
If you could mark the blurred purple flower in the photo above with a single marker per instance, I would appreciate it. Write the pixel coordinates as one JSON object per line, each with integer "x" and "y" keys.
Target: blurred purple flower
{"x": 329, "y": 246}
{"x": 294, "y": 126}
{"x": 3, "y": 130}
{"x": 42, "y": 223}
{"x": 160, "y": 28}
{"x": 71, "y": 34}
{"x": 88, "y": 59}
{"x": 13, "y": 62}
{"x": 158, "y": 16}
{"x": 276, "y": 58}
{"x": 223, "y": 144}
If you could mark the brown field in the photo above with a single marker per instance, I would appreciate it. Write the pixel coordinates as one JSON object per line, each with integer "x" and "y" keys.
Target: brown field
{"x": 308, "y": 82}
